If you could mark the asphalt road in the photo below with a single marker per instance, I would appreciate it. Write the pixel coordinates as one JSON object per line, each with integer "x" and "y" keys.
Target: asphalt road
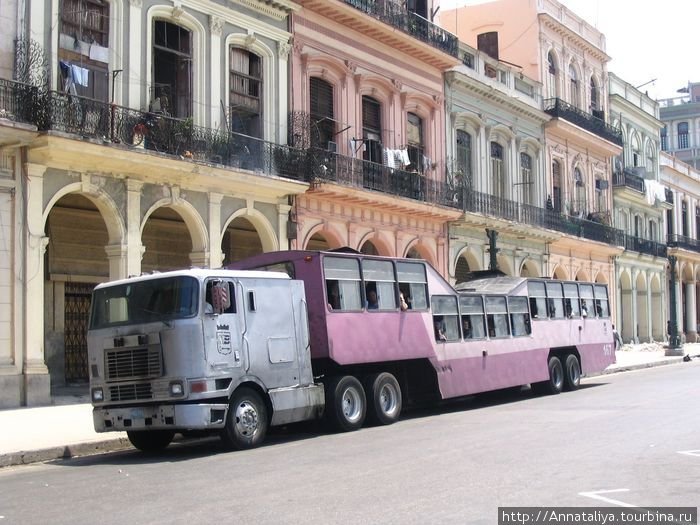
{"x": 623, "y": 439}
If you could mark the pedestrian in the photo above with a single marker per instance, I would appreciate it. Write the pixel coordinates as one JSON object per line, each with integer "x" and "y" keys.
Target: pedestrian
{"x": 616, "y": 338}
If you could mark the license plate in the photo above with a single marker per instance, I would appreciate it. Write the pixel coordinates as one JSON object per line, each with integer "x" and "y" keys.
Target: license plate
{"x": 137, "y": 413}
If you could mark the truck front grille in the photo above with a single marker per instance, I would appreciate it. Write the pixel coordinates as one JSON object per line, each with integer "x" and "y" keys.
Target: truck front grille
{"x": 133, "y": 363}
{"x": 130, "y": 392}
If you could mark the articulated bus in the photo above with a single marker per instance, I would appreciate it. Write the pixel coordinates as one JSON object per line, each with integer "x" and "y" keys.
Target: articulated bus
{"x": 392, "y": 331}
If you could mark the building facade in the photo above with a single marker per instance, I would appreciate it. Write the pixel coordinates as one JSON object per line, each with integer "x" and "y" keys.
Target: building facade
{"x": 681, "y": 117}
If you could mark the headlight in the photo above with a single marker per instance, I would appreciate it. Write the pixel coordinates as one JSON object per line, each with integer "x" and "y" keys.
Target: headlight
{"x": 176, "y": 389}
{"x": 97, "y": 395}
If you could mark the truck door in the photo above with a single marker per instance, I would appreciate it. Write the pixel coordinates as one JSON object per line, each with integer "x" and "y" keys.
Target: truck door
{"x": 222, "y": 326}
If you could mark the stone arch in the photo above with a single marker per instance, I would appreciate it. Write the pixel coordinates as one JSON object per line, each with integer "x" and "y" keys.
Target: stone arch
{"x": 195, "y": 225}
{"x": 626, "y": 308}
{"x": 600, "y": 277}
{"x": 642, "y": 307}
{"x": 560, "y": 273}
{"x": 268, "y": 237}
{"x": 332, "y": 238}
{"x": 197, "y": 76}
{"x": 504, "y": 264}
{"x": 582, "y": 275}
{"x": 416, "y": 246}
{"x": 529, "y": 268}
{"x": 375, "y": 239}
{"x": 468, "y": 260}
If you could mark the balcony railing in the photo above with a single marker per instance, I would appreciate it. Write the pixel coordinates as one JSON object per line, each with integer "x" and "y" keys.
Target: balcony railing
{"x": 637, "y": 244}
{"x": 112, "y": 124}
{"x": 396, "y": 15}
{"x": 681, "y": 241}
{"x": 629, "y": 180}
{"x": 560, "y": 109}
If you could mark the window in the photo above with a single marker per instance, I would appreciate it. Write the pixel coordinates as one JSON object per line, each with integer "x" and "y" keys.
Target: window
{"x": 220, "y": 297}
{"x": 552, "y": 76}
{"x": 497, "y": 170}
{"x": 497, "y": 317}
{"x": 172, "y": 70}
{"x": 683, "y": 142}
{"x": 379, "y": 280}
{"x": 472, "y": 310}
{"x": 413, "y": 284}
{"x": 653, "y": 228}
{"x": 245, "y": 81}
{"x": 556, "y": 186}
{"x": 684, "y": 219}
{"x": 527, "y": 182}
{"x": 572, "y": 304}
{"x": 594, "y": 96}
{"x": 519, "y": 316}
{"x": 463, "y": 157}
{"x": 601, "y": 301}
{"x": 342, "y": 283}
{"x": 555, "y": 300}
{"x": 538, "y": 299}
{"x": 372, "y": 130}
{"x": 416, "y": 147}
{"x": 322, "y": 114}
{"x": 83, "y": 50}
{"x": 600, "y": 200}
{"x": 586, "y": 293}
{"x": 445, "y": 317}
{"x": 664, "y": 138}
{"x": 578, "y": 205}
{"x": 575, "y": 93}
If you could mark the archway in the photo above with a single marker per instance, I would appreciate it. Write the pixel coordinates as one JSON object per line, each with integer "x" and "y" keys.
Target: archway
{"x": 643, "y": 332}
{"x": 560, "y": 273}
{"x": 657, "y": 311}
{"x": 240, "y": 240}
{"x": 166, "y": 240}
{"x": 368, "y": 248}
{"x": 466, "y": 262}
{"x": 318, "y": 242}
{"x": 625, "y": 309}
{"x": 529, "y": 269}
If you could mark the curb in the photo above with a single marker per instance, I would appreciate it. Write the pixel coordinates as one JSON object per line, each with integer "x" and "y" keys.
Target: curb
{"x": 63, "y": 452}
{"x": 639, "y": 366}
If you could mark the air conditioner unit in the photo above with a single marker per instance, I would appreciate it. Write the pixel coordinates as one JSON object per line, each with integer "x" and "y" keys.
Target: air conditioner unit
{"x": 332, "y": 146}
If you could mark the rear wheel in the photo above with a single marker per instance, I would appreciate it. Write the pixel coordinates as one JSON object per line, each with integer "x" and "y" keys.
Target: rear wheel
{"x": 383, "y": 398}
{"x": 346, "y": 403}
{"x": 150, "y": 440}
{"x": 246, "y": 422}
{"x": 572, "y": 372}
{"x": 555, "y": 383}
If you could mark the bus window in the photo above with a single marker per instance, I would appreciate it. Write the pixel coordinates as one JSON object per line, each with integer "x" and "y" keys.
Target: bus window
{"x": 555, "y": 300}
{"x": 586, "y": 293}
{"x": 601, "y": 301}
{"x": 538, "y": 299}
{"x": 472, "y": 311}
{"x": 497, "y": 316}
{"x": 379, "y": 278}
{"x": 445, "y": 317}
{"x": 343, "y": 274}
{"x": 519, "y": 315}
{"x": 571, "y": 300}
{"x": 413, "y": 284}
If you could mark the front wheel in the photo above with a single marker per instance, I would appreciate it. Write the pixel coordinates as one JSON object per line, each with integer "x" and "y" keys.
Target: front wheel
{"x": 555, "y": 383}
{"x": 246, "y": 422}
{"x": 572, "y": 372}
{"x": 383, "y": 398}
{"x": 346, "y": 403}
{"x": 150, "y": 440}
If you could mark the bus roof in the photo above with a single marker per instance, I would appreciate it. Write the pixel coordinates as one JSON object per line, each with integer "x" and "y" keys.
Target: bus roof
{"x": 199, "y": 273}
{"x": 500, "y": 285}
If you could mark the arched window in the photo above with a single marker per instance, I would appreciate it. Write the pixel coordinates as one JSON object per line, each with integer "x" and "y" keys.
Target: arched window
{"x": 372, "y": 129}
{"x": 573, "y": 79}
{"x": 556, "y": 186}
{"x": 245, "y": 81}
{"x": 498, "y": 170}
{"x": 636, "y": 151}
{"x": 322, "y": 113}
{"x": 664, "y": 138}
{"x": 527, "y": 181}
{"x": 172, "y": 69}
{"x": 552, "y": 75}
{"x": 683, "y": 135}
{"x": 415, "y": 146}
{"x": 578, "y": 204}
{"x": 463, "y": 158}
{"x": 595, "y": 109}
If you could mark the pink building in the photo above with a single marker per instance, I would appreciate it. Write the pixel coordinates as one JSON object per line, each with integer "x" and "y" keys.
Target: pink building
{"x": 367, "y": 101}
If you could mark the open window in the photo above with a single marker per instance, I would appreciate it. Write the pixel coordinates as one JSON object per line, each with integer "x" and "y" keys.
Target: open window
{"x": 413, "y": 283}
{"x": 380, "y": 286}
{"x": 519, "y": 316}
{"x": 472, "y": 312}
{"x": 342, "y": 278}
{"x": 497, "y": 316}
{"x": 445, "y": 318}
{"x": 172, "y": 70}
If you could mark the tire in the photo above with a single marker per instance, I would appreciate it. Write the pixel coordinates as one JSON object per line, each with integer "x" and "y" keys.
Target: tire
{"x": 150, "y": 440}
{"x": 383, "y": 398}
{"x": 346, "y": 403}
{"x": 246, "y": 421}
{"x": 555, "y": 383}
{"x": 572, "y": 373}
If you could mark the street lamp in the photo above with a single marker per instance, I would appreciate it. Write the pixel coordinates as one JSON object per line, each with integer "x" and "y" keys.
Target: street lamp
{"x": 674, "y": 339}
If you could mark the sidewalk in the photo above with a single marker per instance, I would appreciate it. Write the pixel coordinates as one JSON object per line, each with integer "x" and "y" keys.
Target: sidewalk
{"x": 65, "y": 430}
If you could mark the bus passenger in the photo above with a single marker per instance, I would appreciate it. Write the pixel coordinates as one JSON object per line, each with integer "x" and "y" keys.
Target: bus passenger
{"x": 402, "y": 302}
{"x": 333, "y": 295}
{"x": 466, "y": 327}
{"x": 440, "y": 328}
{"x": 372, "y": 300}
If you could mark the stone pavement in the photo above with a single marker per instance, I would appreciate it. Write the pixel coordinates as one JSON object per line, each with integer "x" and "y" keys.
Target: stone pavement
{"x": 64, "y": 430}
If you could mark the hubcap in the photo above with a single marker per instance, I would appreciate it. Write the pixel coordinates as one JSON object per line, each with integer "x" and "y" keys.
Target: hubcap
{"x": 388, "y": 399}
{"x": 246, "y": 419}
{"x": 352, "y": 404}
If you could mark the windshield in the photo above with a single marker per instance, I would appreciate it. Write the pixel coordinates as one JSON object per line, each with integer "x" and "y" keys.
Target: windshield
{"x": 144, "y": 301}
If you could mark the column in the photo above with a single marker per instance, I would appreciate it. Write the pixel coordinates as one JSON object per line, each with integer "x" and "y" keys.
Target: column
{"x": 134, "y": 248}
{"x": 136, "y": 54}
{"x": 216, "y": 256}
{"x": 37, "y": 382}
{"x": 282, "y": 222}
{"x": 279, "y": 136}
{"x": 690, "y": 313}
{"x": 216, "y": 25}
{"x": 635, "y": 334}
{"x": 649, "y": 336}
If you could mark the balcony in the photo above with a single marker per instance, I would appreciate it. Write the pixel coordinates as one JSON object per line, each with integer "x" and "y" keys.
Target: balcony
{"x": 637, "y": 244}
{"x": 686, "y": 243}
{"x": 139, "y": 131}
{"x": 628, "y": 179}
{"x": 380, "y": 20}
{"x": 557, "y": 108}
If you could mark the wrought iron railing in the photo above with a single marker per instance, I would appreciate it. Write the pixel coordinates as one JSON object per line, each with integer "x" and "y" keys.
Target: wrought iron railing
{"x": 560, "y": 109}
{"x": 629, "y": 180}
{"x": 396, "y": 15}
{"x": 637, "y": 244}
{"x": 681, "y": 241}
{"x": 17, "y": 101}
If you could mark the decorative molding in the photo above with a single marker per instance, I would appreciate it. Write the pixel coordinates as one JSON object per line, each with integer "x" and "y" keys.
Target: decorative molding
{"x": 138, "y": 4}
{"x": 250, "y": 39}
{"x": 178, "y": 10}
{"x": 216, "y": 25}
{"x": 283, "y": 49}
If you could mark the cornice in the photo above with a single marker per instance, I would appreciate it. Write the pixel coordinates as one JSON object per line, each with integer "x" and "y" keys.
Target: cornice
{"x": 556, "y": 26}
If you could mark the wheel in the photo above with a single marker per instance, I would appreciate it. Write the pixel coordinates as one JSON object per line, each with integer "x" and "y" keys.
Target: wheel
{"x": 555, "y": 383}
{"x": 346, "y": 404}
{"x": 150, "y": 440}
{"x": 572, "y": 372}
{"x": 246, "y": 422}
{"x": 383, "y": 398}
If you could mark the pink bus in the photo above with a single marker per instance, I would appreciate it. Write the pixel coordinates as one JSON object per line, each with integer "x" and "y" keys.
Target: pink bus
{"x": 385, "y": 332}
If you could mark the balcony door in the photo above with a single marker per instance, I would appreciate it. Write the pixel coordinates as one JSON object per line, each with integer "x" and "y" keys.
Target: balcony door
{"x": 172, "y": 70}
